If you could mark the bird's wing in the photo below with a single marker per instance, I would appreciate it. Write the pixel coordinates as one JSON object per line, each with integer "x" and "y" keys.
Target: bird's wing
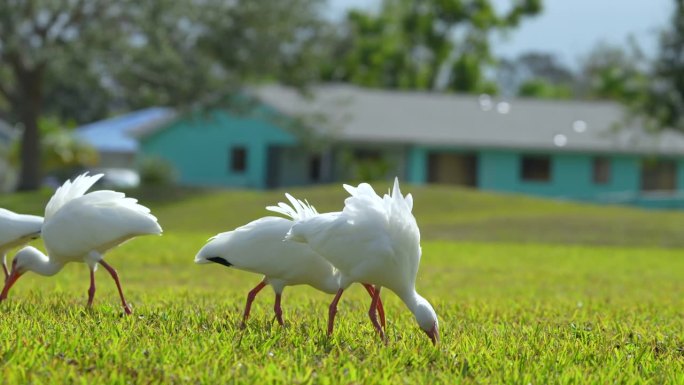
{"x": 402, "y": 228}
{"x": 365, "y": 207}
{"x": 14, "y": 227}
{"x": 69, "y": 191}
{"x": 409, "y": 201}
{"x": 296, "y": 210}
{"x": 258, "y": 247}
{"x": 96, "y": 221}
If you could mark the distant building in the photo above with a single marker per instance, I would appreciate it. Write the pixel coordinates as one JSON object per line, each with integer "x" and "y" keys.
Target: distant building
{"x": 111, "y": 137}
{"x": 566, "y": 149}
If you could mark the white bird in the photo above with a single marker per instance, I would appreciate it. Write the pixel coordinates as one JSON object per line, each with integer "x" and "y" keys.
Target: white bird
{"x": 258, "y": 247}
{"x": 82, "y": 227}
{"x": 374, "y": 240}
{"x": 16, "y": 230}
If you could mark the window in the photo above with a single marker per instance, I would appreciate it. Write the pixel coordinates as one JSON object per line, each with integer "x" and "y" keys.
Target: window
{"x": 535, "y": 168}
{"x": 238, "y": 159}
{"x": 315, "y": 168}
{"x": 601, "y": 170}
{"x": 658, "y": 175}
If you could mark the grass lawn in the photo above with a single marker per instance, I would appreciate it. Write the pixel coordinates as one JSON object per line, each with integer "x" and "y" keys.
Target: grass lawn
{"x": 527, "y": 291}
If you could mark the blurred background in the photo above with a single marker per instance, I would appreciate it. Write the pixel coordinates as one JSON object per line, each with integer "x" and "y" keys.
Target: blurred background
{"x": 579, "y": 100}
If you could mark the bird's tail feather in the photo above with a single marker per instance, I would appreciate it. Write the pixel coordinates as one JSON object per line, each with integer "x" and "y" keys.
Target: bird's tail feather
{"x": 296, "y": 210}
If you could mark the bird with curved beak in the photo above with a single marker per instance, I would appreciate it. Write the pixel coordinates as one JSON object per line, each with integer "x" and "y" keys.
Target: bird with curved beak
{"x": 375, "y": 240}
{"x": 82, "y": 227}
{"x": 258, "y": 247}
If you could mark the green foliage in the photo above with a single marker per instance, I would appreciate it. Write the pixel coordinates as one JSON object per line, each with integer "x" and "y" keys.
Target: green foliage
{"x": 82, "y": 59}
{"x": 61, "y": 151}
{"x": 519, "y": 312}
{"x": 542, "y": 89}
{"x": 615, "y": 73}
{"x": 663, "y": 102}
{"x": 412, "y": 44}
{"x": 155, "y": 171}
{"x": 364, "y": 167}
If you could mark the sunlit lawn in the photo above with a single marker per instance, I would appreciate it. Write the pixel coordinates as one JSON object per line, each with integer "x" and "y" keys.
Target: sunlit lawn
{"x": 528, "y": 291}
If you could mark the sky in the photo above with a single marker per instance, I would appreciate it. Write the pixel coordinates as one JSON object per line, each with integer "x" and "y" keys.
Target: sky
{"x": 570, "y": 28}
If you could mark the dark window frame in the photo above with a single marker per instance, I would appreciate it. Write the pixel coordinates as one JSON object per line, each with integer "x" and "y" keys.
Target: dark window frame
{"x": 536, "y": 168}
{"x": 601, "y": 170}
{"x": 237, "y": 159}
{"x": 315, "y": 167}
{"x": 658, "y": 174}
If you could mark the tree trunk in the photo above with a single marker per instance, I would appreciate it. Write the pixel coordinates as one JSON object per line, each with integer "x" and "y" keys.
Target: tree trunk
{"x": 30, "y": 174}
{"x": 29, "y": 106}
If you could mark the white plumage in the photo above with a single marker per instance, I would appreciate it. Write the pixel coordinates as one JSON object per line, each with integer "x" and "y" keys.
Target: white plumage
{"x": 82, "y": 227}
{"x": 374, "y": 240}
{"x": 16, "y": 230}
{"x": 258, "y": 247}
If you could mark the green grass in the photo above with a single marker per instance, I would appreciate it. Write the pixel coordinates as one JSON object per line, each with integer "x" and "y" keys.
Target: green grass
{"x": 527, "y": 291}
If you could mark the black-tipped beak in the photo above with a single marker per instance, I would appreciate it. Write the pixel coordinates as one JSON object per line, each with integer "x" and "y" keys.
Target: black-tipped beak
{"x": 433, "y": 334}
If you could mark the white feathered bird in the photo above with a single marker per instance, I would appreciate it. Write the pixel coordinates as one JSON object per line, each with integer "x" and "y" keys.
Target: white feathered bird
{"x": 82, "y": 227}
{"x": 374, "y": 240}
{"x": 258, "y": 247}
{"x": 16, "y": 230}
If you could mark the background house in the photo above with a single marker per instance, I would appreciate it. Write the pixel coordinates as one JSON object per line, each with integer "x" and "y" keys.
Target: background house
{"x": 566, "y": 149}
{"x": 112, "y": 139}
{"x": 232, "y": 150}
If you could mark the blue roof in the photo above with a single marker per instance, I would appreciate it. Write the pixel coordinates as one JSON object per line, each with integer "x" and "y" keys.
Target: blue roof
{"x": 113, "y": 135}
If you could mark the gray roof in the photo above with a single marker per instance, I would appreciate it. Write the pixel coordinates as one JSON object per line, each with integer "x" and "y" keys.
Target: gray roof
{"x": 437, "y": 119}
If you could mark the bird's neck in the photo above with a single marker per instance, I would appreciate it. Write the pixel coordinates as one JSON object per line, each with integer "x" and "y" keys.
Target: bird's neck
{"x": 412, "y": 300}
{"x": 45, "y": 266}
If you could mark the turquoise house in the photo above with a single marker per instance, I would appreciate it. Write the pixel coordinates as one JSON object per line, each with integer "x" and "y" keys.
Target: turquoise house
{"x": 565, "y": 149}
{"x": 230, "y": 150}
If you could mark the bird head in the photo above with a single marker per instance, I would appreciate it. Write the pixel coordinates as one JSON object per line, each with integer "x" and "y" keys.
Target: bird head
{"x": 214, "y": 251}
{"x": 23, "y": 261}
{"x": 427, "y": 319}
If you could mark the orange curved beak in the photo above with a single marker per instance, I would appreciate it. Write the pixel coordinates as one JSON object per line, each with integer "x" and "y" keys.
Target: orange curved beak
{"x": 11, "y": 280}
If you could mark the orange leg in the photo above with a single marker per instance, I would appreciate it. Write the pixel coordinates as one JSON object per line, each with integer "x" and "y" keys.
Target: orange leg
{"x": 91, "y": 290}
{"x": 333, "y": 310}
{"x": 381, "y": 310}
{"x": 372, "y": 313}
{"x": 115, "y": 276}
{"x": 250, "y": 298}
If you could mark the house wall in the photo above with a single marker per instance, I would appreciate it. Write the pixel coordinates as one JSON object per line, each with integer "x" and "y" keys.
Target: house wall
{"x": 292, "y": 167}
{"x": 198, "y": 147}
{"x": 571, "y": 174}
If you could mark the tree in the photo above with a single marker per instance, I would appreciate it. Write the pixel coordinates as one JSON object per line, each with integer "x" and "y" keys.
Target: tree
{"x": 543, "y": 89}
{"x": 614, "y": 72}
{"x": 129, "y": 54}
{"x": 662, "y": 105}
{"x": 536, "y": 74}
{"x": 425, "y": 44}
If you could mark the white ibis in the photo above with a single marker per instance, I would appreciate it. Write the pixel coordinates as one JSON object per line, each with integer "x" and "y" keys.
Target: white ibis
{"x": 82, "y": 227}
{"x": 258, "y": 247}
{"x": 16, "y": 230}
{"x": 374, "y": 240}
